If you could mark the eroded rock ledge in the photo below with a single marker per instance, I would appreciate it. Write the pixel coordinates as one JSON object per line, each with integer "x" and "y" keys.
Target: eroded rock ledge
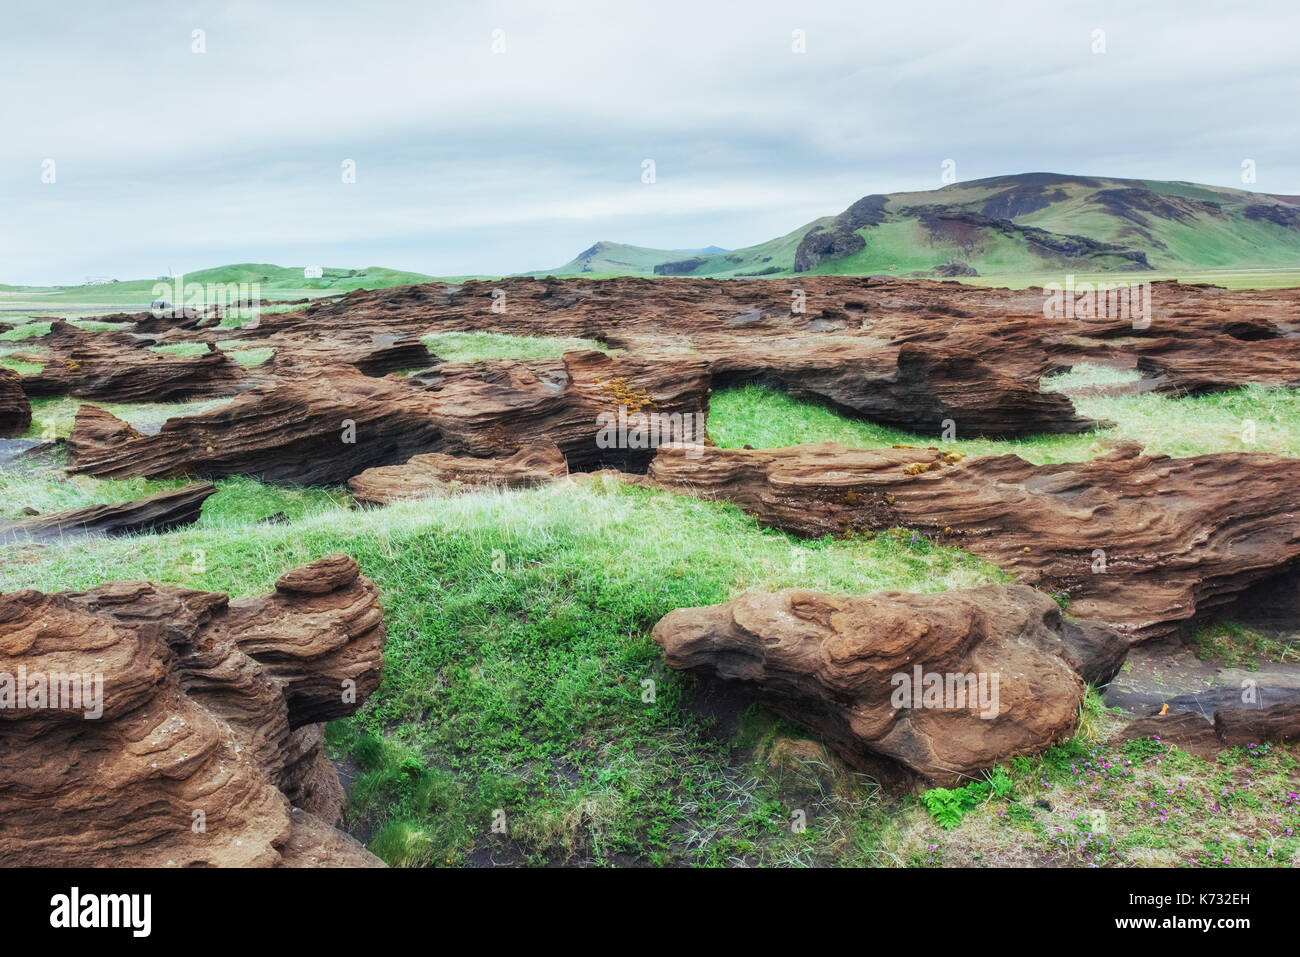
{"x": 329, "y": 423}
{"x": 160, "y": 512}
{"x": 208, "y": 750}
{"x": 846, "y": 668}
{"x": 1146, "y": 543}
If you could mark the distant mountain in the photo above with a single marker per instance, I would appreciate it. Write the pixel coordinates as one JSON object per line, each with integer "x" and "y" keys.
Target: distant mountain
{"x": 624, "y": 260}
{"x": 1029, "y": 223}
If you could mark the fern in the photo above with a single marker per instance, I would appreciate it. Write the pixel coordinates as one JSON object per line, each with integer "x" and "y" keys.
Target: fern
{"x": 944, "y": 806}
{"x": 948, "y": 807}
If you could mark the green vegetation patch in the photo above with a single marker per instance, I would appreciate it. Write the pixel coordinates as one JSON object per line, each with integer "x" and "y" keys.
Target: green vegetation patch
{"x": 1178, "y": 426}
{"x": 476, "y": 346}
{"x": 519, "y": 666}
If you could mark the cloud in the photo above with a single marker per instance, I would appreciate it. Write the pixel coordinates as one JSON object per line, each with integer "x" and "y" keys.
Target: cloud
{"x": 475, "y": 161}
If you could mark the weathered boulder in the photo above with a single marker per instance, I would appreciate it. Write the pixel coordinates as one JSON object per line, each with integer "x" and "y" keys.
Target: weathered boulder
{"x": 1145, "y": 543}
{"x": 160, "y": 512}
{"x": 919, "y": 387}
{"x": 944, "y": 683}
{"x": 189, "y": 733}
{"x": 435, "y": 474}
{"x": 15, "y": 409}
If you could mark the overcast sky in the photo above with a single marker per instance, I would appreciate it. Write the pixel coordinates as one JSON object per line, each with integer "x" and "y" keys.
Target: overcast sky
{"x": 475, "y": 161}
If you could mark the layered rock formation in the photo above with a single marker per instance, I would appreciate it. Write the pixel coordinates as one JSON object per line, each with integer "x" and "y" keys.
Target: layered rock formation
{"x": 375, "y": 355}
{"x": 205, "y": 727}
{"x": 329, "y": 423}
{"x": 1145, "y": 543}
{"x": 119, "y": 367}
{"x": 1275, "y": 717}
{"x": 160, "y": 512}
{"x": 15, "y": 409}
{"x": 1195, "y": 367}
{"x": 436, "y": 474}
{"x": 943, "y": 683}
{"x": 1020, "y": 333}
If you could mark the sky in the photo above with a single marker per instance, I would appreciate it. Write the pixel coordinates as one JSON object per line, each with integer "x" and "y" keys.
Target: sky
{"x": 496, "y": 137}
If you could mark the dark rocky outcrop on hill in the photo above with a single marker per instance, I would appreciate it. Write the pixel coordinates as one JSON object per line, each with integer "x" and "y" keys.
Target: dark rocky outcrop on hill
{"x": 860, "y": 670}
{"x": 206, "y": 750}
{"x": 1144, "y": 543}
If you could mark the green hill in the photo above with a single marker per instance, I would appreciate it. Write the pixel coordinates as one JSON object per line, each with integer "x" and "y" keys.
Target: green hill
{"x": 1027, "y": 224}
{"x": 273, "y": 282}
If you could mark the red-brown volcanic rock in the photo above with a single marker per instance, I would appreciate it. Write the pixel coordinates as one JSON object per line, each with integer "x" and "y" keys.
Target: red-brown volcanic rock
{"x": 376, "y": 355}
{"x": 1179, "y": 536}
{"x": 1199, "y": 366}
{"x": 435, "y": 474}
{"x": 15, "y": 409}
{"x": 113, "y": 367}
{"x": 204, "y": 736}
{"x": 297, "y": 430}
{"x": 318, "y": 427}
{"x": 1009, "y": 330}
{"x": 845, "y": 668}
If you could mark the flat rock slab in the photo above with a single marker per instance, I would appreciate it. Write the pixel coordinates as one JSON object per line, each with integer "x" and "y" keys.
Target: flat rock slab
{"x": 160, "y": 512}
{"x": 436, "y": 474}
{"x": 207, "y": 709}
{"x": 944, "y": 683}
{"x": 1147, "y": 544}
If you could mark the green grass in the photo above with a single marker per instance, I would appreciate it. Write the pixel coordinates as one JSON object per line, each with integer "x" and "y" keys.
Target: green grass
{"x": 245, "y": 353}
{"x": 1238, "y": 646}
{"x": 518, "y": 646}
{"x": 1091, "y": 803}
{"x": 34, "y": 330}
{"x": 27, "y": 330}
{"x": 21, "y": 367}
{"x": 766, "y": 418}
{"x": 476, "y": 346}
{"x": 238, "y": 499}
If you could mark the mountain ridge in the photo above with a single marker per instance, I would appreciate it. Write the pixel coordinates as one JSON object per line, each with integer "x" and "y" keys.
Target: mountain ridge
{"x": 1026, "y": 223}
